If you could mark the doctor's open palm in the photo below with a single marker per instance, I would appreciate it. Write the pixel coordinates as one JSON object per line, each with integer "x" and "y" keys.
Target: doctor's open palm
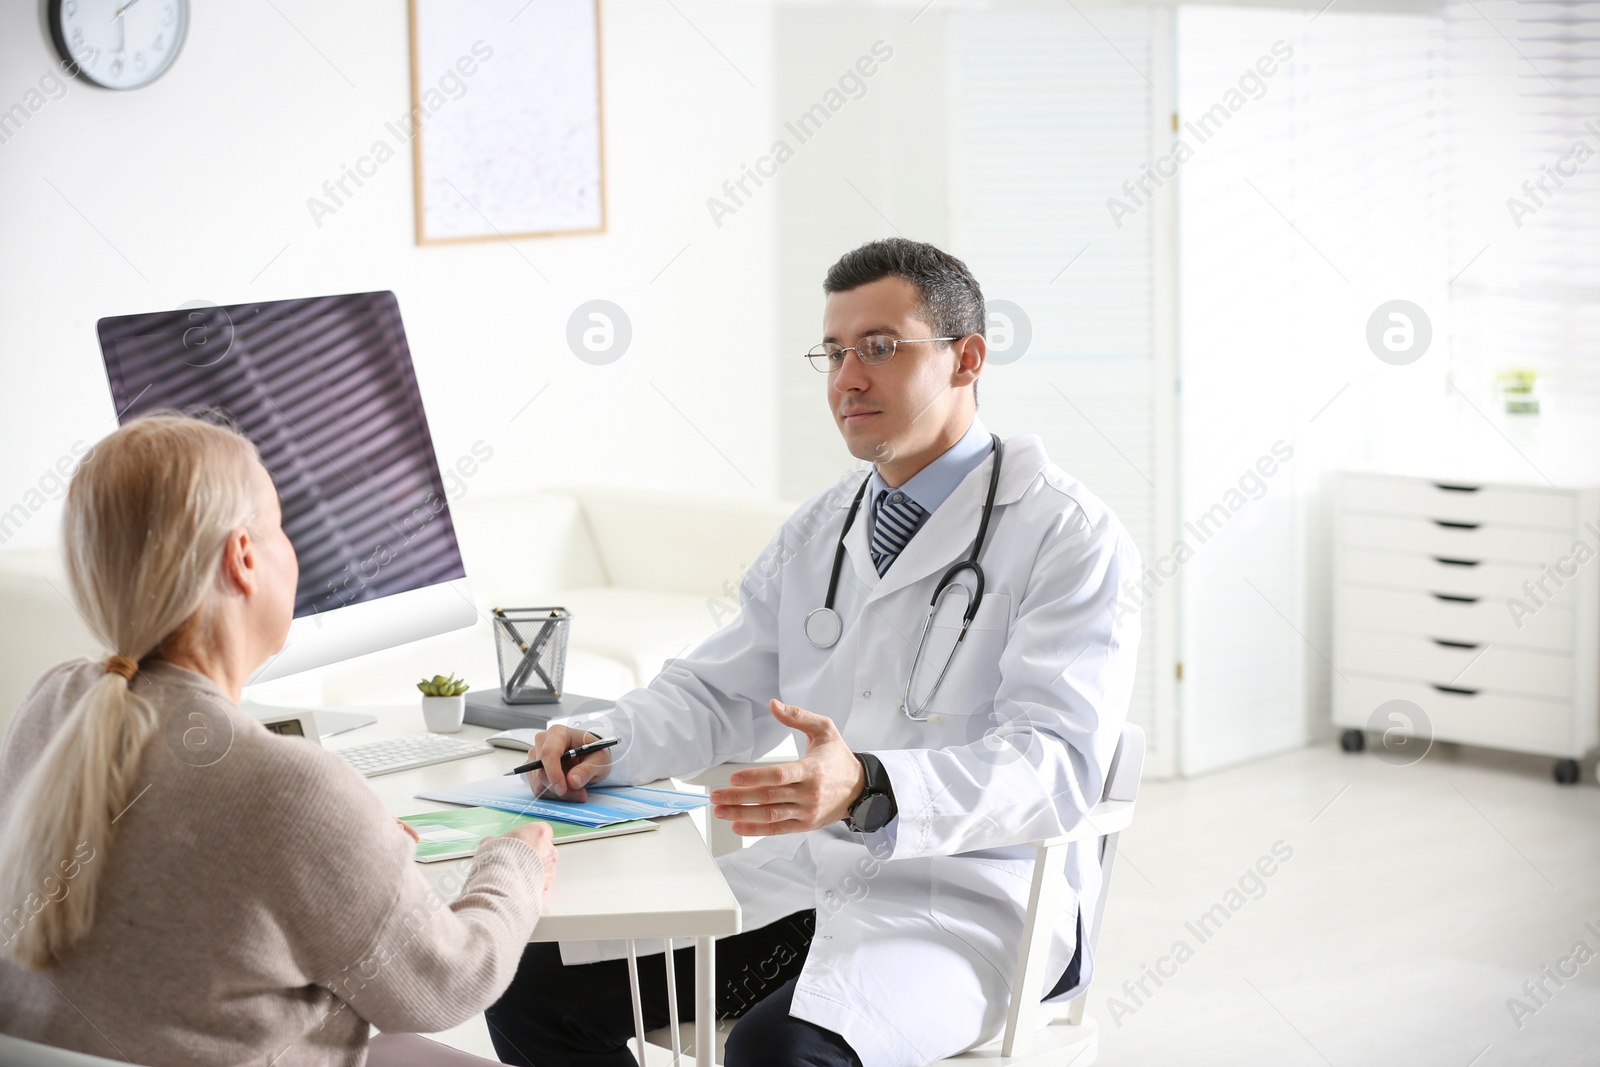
{"x": 786, "y": 798}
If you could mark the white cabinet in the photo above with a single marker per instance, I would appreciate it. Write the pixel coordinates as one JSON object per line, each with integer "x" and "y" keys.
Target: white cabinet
{"x": 1477, "y": 605}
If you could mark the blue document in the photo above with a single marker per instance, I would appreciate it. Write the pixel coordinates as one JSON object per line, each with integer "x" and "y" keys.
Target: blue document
{"x": 607, "y": 804}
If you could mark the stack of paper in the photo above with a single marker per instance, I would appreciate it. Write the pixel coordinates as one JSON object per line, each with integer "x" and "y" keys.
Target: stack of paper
{"x": 606, "y": 806}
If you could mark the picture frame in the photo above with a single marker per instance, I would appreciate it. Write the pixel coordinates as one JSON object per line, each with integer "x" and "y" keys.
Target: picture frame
{"x": 507, "y": 119}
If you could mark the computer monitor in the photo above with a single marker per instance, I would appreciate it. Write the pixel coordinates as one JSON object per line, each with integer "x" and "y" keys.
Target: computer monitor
{"x": 325, "y": 388}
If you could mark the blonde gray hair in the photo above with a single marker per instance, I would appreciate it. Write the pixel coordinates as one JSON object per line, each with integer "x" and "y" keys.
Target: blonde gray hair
{"x": 148, "y": 513}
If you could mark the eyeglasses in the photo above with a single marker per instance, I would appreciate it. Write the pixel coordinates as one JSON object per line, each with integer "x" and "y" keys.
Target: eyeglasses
{"x": 871, "y": 350}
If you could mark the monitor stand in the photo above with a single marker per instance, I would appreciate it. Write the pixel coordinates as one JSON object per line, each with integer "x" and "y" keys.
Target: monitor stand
{"x": 330, "y": 721}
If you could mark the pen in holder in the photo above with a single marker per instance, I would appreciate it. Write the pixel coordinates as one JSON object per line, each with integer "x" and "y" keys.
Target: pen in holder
{"x": 531, "y": 645}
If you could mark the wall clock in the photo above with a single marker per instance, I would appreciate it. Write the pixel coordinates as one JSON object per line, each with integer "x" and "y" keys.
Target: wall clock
{"x": 118, "y": 44}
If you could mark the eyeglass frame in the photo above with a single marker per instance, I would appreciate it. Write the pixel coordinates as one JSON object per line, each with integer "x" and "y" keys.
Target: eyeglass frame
{"x": 898, "y": 341}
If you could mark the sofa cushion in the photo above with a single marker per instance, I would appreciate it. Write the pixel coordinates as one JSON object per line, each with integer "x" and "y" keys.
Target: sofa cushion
{"x": 42, "y": 626}
{"x": 642, "y": 628}
{"x": 676, "y": 544}
{"x": 520, "y": 550}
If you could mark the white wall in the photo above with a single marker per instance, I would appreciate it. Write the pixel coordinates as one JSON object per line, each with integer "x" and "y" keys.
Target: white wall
{"x": 876, "y": 168}
{"x": 196, "y": 188}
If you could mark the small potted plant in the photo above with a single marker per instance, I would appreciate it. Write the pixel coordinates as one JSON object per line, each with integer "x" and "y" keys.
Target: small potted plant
{"x": 443, "y": 705}
{"x": 1521, "y": 391}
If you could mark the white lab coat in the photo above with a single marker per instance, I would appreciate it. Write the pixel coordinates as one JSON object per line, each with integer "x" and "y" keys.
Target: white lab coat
{"x": 915, "y": 946}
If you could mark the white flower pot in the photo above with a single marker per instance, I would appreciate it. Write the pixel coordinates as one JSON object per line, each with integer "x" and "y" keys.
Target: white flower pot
{"x": 444, "y": 715}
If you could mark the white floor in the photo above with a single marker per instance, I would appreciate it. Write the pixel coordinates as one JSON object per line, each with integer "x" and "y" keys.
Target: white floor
{"x": 1414, "y": 904}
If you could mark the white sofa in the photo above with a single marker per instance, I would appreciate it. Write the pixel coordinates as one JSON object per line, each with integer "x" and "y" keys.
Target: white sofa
{"x": 646, "y": 577}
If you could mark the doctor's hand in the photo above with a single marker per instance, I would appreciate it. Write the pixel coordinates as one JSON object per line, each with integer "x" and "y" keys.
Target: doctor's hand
{"x": 789, "y": 798}
{"x": 548, "y": 781}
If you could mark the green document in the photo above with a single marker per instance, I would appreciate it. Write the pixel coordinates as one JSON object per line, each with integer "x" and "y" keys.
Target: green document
{"x": 449, "y": 835}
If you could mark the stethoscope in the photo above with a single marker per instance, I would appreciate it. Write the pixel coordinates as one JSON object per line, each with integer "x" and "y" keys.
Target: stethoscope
{"x": 823, "y": 626}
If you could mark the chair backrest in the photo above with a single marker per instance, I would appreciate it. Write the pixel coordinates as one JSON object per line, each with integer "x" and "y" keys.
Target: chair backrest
{"x": 15, "y": 1052}
{"x": 1122, "y": 784}
{"x": 1127, "y": 765}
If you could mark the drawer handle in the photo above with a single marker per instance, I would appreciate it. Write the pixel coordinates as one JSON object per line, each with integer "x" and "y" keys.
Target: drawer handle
{"x": 1454, "y": 599}
{"x": 1448, "y": 525}
{"x": 1465, "y": 646}
{"x": 1455, "y": 690}
{"x": 1449, "y": 488}
{"x": 1448, "y": 562}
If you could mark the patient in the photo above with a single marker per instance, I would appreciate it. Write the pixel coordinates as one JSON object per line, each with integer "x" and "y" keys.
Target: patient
{"x": 178, "y": 885}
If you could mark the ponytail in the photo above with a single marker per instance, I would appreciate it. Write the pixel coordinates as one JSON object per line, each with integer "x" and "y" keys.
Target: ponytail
{"x": 51, "y": 888}
{"x": 147, "y": 515}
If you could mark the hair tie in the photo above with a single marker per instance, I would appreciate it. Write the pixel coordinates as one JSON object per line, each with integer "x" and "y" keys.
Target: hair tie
{"x": 122, "y": 665}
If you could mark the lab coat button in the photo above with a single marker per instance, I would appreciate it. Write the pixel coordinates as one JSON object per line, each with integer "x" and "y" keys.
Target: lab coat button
{"x": 866, "y": 692}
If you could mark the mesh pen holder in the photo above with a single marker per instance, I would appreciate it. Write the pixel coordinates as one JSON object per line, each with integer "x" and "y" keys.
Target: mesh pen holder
{"x": 531, "y": 645}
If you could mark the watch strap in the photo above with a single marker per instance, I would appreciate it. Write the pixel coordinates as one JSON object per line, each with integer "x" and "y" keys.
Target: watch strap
{"x": 877, "y": 777}
{"x": 877, "y": 785}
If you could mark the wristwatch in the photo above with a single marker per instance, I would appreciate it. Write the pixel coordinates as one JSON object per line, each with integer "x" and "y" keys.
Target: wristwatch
{"x": 875, "y": 807}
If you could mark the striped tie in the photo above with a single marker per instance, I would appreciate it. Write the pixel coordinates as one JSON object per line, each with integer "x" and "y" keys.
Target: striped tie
{"x": 899, "y": 517}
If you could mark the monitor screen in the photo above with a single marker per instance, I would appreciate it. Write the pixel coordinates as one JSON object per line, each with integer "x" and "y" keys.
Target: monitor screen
{"x": 325, "y": 388}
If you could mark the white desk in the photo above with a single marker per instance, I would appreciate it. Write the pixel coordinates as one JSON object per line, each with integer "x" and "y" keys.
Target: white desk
{"x": 659, "y": 884}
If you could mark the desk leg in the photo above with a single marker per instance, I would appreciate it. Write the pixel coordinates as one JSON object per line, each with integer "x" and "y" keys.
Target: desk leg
{"x": 633, "y": 988}
{"x": 705, "y": 1002}
{"x": 672, "y": 1001}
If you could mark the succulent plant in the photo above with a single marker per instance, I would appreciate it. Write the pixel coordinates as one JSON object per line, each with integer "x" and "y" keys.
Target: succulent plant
{"x": 440, "y": 686}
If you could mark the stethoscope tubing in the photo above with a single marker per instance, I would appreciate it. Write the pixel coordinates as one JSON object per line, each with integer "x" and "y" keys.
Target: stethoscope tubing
{"x": 827, "y": 619}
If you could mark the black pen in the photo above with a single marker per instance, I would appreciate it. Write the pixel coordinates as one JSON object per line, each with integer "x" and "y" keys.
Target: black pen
{"x": 571, "y": 753}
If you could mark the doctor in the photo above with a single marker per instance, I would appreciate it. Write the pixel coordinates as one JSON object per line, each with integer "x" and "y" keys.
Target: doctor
{"x": 885, "y": 892}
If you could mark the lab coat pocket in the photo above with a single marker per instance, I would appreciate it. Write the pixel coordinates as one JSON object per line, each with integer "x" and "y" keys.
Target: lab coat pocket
{"x": 974, "y": 664}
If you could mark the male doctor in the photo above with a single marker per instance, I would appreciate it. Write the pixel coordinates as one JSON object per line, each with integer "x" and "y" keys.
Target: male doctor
{"x": 884, "y": 895}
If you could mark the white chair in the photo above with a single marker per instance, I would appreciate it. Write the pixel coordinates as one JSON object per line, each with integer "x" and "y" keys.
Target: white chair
{"x": 1035, "y": 1034}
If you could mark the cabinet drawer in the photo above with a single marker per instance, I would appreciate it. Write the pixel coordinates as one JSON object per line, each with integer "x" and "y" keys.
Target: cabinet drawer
{"x": 1445, "y": 574}
{"x": 1551, "y": 509}
{"x": 1459, "y": 665}
{"x": 1522, "y": 724}
{"x": 1481, "y": 622}
{"x": 1430, "y": 537}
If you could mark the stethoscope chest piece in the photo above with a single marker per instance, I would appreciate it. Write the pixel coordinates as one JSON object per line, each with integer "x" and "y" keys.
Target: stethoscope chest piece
{"x": 823, "y": 627}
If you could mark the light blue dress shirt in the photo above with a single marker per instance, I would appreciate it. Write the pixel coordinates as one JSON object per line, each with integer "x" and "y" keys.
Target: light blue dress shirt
{"x": 933, "y": 484}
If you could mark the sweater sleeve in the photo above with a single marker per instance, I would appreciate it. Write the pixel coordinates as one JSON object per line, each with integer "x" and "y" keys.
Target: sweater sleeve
{"x": 436, "y": 964}
{"x": 363, "y": 922}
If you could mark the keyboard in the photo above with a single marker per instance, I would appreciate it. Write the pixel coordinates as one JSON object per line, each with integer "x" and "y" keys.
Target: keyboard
{"x": 404, "y": 753}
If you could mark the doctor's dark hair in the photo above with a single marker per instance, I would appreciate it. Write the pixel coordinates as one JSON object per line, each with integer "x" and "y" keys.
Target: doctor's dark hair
{"x": 952, "y": 302}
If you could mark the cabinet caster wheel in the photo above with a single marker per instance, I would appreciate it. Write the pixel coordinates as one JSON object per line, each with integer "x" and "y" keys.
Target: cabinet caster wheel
{"x": 1352, "y": 740}
{"x": 1566, "y": 771}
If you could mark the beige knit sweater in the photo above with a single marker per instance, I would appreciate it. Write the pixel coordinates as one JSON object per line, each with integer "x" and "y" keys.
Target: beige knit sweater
{"x": 258, "y": 905}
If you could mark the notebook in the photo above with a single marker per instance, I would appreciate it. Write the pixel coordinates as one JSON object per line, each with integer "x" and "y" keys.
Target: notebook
{"x": 449, "y": 835}
{"x": 606, "y": 806}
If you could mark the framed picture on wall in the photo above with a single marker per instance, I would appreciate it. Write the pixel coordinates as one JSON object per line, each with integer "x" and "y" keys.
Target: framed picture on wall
{"x": 506, "y": 119}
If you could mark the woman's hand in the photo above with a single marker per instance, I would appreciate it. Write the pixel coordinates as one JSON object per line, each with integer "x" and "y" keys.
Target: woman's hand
{"x": 408, "y": 828}
{"x": 537, "y": 836}
{"x": 548, "y": 745}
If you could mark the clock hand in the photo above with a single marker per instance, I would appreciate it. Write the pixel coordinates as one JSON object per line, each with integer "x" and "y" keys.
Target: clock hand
{"x": 123, "y": 8}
